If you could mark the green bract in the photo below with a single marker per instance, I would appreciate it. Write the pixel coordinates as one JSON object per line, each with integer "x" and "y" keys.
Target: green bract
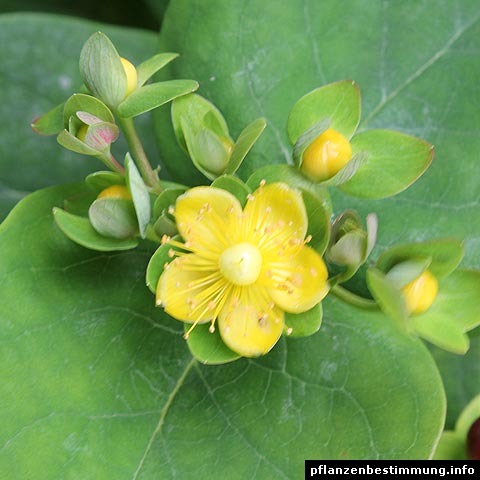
{"x": 202, "y": 132}
{"x": 383, "y": 162}
{"x": 456, "y": 309}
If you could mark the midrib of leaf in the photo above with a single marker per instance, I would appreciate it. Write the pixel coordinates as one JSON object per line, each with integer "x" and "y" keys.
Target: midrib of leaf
{"x": 163, "y": 414}
{"x": 430, "y": 62}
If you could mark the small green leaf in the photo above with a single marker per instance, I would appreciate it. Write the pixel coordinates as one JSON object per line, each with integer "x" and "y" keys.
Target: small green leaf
{"x": 156, "y": 265}
{"x": 208, "y": 348}
{"x": 165, "y": 200}
{"x": 459, "y": 298}
{"x": 446, "y": 255}
{"x": 290, "y": 175}
{"x": 233, "y": 185}
{"x": 164, "y": 225}
{"x": 80, "y": 102}
{"x": 154, "y": 95}
{"x": 244, "y": 143}
{"x": 304, "y": 324}
{"x": 349, "y": 250}
{"x": 201, "y": 112}
{"x": 80, "y": 230}
{"x": 450, "y": 447}
{"x": 388, "y": 297}
{"x": 318, "y": 221}
{"x": 438, "y": 328}
{"x": 102, "y": 70}
{"x": 393, "y": 163}
{"x": 339, "y": 102}
{"x": 113, "y": 217}
{"x": 404, "y": 272}
{"x": 306, "y": 139}
{"x": 347, "y": 172}
{"x": 140, "y": 195}
{"x": 70, "y": 142}
{"x": 151, "y": 66}
{"x": 99, "y": 181}
{"x": 49, "y": 123}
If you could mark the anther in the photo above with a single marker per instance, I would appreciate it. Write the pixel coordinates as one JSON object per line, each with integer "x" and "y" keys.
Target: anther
{"x": 171, "y": 210}
{"x": 313, "y": 272}
{"x": 289, "y": 330}
{"x": 171, "y": 253}
{"x": 211, "y": 328}
{"x": 268, "y": 210}
{"x": 262, "y": 182}
{"x": 308, "y": 239}
{"x": 165, "y": 239}
{"x": 250, "y": 197}
{"x": 211, "y": 305}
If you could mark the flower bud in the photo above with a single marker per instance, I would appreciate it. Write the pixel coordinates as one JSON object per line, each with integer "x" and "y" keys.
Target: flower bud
{"x": 326, "y": 155}
{"x": 131, "y": 73}
{"x": 420, "y": 293}
{"x": 115, "y": 191}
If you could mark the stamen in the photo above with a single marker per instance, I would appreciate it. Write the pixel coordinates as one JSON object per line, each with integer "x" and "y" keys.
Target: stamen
{"x": 165, "y": 239}
{"x": 289, "y": 330}
{"x": 211, "y": 328}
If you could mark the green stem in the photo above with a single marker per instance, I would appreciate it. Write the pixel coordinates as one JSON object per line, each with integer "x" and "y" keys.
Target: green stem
{"x": 149, "y": 176}
{"x": 354, "y": 299}
{"x": 110, "y": 161}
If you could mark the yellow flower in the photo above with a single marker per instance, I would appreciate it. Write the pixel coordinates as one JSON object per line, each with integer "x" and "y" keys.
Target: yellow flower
{"x": 242, "y": 269}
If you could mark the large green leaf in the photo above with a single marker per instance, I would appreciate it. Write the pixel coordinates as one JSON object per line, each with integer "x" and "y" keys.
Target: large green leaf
{"x": 98, "y": 383}
{"x": 39, "y": 69}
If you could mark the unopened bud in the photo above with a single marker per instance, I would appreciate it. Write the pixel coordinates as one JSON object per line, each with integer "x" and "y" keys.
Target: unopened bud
{"x": 326, "y": 155}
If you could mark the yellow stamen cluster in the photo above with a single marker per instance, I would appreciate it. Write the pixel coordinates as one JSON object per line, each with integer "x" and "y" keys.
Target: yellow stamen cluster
{"x": 242, "y": 269}
{"x": 420, "y": 293}
{"x": 326, "y": 155}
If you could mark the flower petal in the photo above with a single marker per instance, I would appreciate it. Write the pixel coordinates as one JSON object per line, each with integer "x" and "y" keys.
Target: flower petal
{"x": 188, "y": 292}
{"x": 275, "y": 215}
{"x": 297, "y": 283}
{"x": 206, "y": 218}
{"x": 250, "y": 326}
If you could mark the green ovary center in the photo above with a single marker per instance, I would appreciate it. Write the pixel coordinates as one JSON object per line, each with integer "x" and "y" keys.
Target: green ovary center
{"x": 241, "y": 263}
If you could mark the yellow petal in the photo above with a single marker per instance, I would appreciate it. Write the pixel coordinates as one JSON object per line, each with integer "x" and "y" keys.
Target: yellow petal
{"x": 297, "y": 283}
{"x": 274, "y": 216}
{"x": 188, "y": 292}
{"x": 207, "y": 218}
{"x": 250, "y": 326}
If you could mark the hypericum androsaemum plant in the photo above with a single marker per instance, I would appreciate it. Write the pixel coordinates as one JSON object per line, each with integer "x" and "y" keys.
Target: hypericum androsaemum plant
{"x": 233, "y": 262}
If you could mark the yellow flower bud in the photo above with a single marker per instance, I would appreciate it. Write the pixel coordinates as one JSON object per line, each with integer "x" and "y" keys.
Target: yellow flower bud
{"x": 326, "y": 155}
{"x": 131, "y": 73}
{"x": 82, "y": 132}
{"x": 421, "y": 293}
{"x": 115, "y": 191}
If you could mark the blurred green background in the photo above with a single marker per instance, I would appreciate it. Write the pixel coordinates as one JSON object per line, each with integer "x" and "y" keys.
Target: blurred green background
{"x": 146, "y": 14}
